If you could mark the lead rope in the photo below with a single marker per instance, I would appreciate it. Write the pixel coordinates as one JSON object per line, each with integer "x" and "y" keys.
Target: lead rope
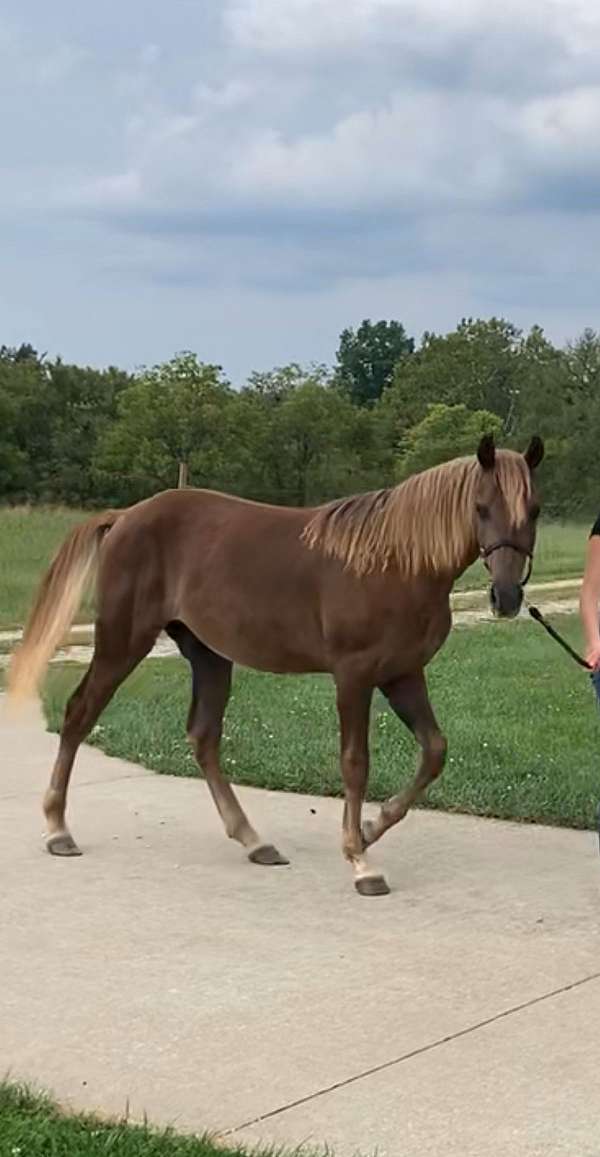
{"x": 537, "y": 615}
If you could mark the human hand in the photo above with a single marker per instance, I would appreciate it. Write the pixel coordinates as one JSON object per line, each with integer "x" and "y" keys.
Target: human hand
{"x": 592, "y": 656}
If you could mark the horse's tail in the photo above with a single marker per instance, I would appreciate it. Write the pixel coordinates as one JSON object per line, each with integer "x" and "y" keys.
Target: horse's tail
{"x": 56, "y": 603}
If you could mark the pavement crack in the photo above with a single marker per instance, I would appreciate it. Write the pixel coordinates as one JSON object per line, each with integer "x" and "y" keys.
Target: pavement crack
{"x": 32, "y": 793}
{"x": 468, "y": 1031}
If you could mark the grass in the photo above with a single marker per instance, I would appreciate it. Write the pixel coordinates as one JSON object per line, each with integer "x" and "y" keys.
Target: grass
{"x": 32, "y": 1126}
{"x": 521, "y": 720}
{"x": 29, "y": 536}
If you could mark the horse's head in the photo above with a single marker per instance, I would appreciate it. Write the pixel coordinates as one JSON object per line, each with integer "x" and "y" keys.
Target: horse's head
{"x": 506, "y": 512}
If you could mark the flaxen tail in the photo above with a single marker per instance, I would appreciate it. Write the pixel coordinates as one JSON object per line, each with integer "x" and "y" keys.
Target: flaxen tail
{"x": 56, "y": 604}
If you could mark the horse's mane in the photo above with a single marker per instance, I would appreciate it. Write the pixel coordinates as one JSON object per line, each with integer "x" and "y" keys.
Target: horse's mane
{"x": 426, "y": 524}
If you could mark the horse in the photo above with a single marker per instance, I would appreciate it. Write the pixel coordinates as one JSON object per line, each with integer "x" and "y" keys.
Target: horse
{"x": 358, "y": 588}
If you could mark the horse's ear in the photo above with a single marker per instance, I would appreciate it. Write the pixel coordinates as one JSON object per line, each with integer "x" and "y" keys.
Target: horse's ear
{"x": 534, "y": 452}
{"x": 486, "y": 452}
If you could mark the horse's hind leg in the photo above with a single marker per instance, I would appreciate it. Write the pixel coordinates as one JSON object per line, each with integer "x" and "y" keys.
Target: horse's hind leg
{"x": 409, "y": 699}
{"x": 211, "y": 684}
{"x": 110, "y": 665}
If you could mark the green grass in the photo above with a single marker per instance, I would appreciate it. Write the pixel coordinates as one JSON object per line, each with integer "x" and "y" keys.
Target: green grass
{"x": 29, "y": 536}
{"x": 31, "y": 1126}
{"x": 521, "y": 720}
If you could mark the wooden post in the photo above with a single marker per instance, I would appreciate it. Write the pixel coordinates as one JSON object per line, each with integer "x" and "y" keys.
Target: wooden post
{"x": 183, "y": 475}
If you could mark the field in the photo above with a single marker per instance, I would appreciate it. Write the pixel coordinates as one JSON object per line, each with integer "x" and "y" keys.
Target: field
{"x": 521, "y": 720}
{"x": 29, "y": 537}
{"x": 32, "y": 1126}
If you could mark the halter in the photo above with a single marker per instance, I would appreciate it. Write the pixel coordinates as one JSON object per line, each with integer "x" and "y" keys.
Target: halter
{"x": 486, "y": 551}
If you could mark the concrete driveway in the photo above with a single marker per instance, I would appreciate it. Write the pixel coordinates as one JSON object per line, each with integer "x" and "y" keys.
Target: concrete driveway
{"x": 163, "y": 972}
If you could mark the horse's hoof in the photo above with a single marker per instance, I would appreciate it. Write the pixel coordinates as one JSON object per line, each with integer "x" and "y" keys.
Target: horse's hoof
{"x": 267, "y": 854}
{"x": 372, "y": 886}
{"x": 62, "y": 844}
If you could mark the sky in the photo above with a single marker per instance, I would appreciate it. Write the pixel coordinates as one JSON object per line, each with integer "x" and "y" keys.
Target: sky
{"x": 246, "y": 178}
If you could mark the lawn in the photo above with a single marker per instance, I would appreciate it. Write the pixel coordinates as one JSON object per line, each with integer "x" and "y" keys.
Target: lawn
{"x": 29, "y": 536}
{"x": 521, "y": 720}
{"x": 31, "y": 1126}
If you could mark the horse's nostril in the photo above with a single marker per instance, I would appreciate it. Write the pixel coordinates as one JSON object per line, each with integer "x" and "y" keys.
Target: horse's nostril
{"x": 506, "y": 601}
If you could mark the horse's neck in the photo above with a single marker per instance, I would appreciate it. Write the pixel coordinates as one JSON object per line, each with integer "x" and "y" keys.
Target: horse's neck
{"x": 470, "y": 556}
{"x": 467, "y": 552}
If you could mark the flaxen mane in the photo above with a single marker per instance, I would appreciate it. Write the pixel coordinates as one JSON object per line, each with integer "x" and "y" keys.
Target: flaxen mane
{"x": 425, "y": 524}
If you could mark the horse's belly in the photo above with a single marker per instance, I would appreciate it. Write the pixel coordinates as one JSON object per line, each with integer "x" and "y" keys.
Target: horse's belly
{"x": 278, "y": 660}
{"x": 260, "y": 642}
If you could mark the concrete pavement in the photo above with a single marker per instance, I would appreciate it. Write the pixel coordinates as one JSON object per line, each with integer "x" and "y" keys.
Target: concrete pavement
{"x": 162, "y": 971}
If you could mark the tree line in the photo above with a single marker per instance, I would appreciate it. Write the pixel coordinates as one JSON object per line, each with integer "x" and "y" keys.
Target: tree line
{"x": 300, "y": 435}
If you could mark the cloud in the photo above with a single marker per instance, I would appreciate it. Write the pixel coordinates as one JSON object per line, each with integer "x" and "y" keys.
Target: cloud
{"x": 301, "y": 147}
{"x": 488, "y": 39}
{"x": 565, "y": 126}
{"x": 418, "y": 141}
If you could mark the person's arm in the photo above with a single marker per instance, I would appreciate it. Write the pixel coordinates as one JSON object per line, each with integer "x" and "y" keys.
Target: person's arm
{"x": 589, "y": 600}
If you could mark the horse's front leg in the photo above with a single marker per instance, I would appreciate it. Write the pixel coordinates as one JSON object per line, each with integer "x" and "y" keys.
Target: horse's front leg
{"x": 353, "y": 703}
{"x": 409, "y": 699}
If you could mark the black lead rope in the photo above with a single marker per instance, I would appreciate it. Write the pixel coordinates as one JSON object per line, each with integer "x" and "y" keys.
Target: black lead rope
{"x": 539, "y": 618}
{"x": 537, "y": 615}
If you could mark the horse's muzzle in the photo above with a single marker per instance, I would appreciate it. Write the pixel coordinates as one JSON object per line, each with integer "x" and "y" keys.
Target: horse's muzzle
{"x": 506, "y": 599}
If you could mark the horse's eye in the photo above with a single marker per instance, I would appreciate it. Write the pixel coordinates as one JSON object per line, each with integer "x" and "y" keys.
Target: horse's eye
{"x": 482, "y": 511}
{"x": 534, "y": 513}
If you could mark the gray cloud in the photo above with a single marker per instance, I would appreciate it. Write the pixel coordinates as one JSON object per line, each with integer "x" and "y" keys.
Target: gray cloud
{"x": 293, "y": 164}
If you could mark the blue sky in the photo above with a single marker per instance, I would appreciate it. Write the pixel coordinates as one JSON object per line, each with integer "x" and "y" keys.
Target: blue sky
{"x": 244, "y": 178}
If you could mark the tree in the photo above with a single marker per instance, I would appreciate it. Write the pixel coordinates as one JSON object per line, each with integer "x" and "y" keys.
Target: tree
{"x": 475, "y": 365}
{"x": 367, "y": 357}
{"x": 274, "y": 385}
{"x": 445, "y": 432}
{"x": 572, "y": 474}
{"x": 18, "y": 379}
{"x": 84, "y": 405}
{"x": 84, "y": 436}
{"x": 582, "y": 359}
{"x": 175, "y": 412}
{"x": 14, "y": 461}
{"x": 559, "y": 398}
{"x": 59, "y": 412}
{"x": 23, "y": 353}
{"x": 309, "y": 442}
{"x": 316, "y": 445}
{"x": 311, "y": 432}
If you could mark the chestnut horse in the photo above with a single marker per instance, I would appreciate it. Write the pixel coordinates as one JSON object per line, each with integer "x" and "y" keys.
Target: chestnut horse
{"x": 358, "y": 588}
